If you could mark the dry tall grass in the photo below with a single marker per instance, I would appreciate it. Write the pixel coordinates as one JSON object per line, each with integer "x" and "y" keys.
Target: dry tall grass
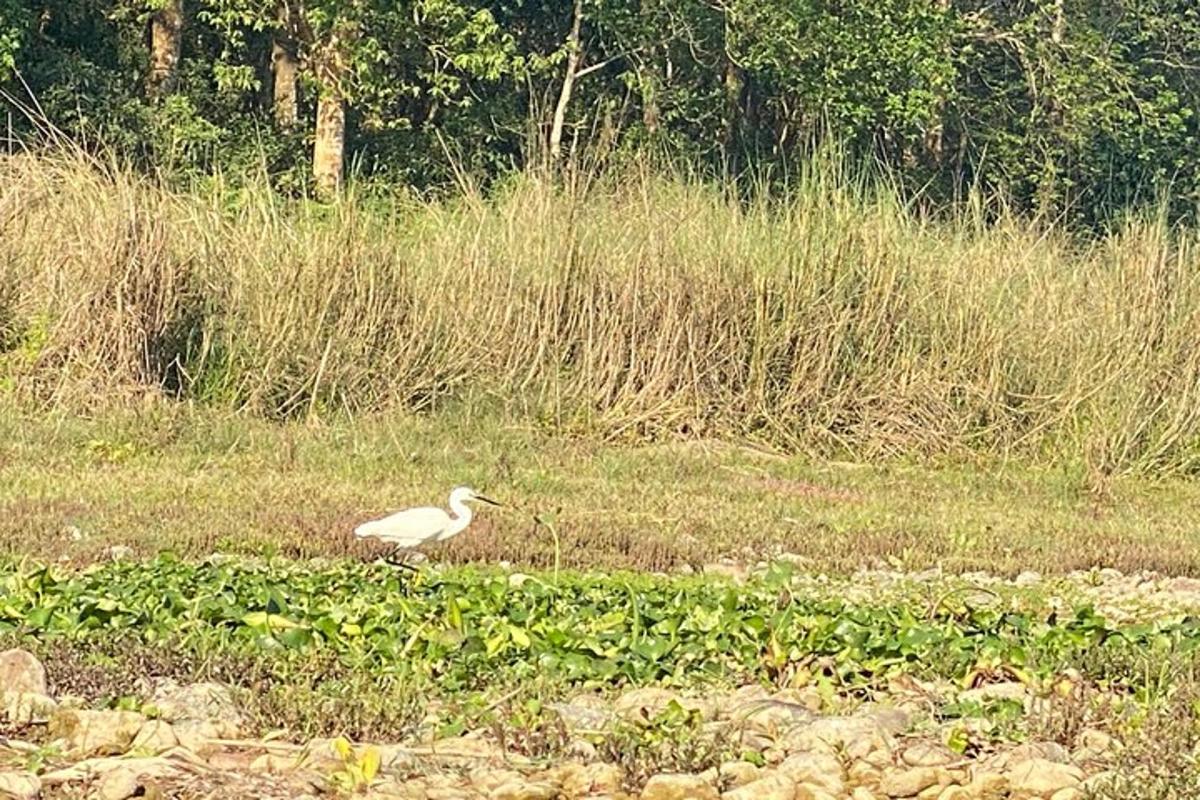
{"x": 832, "y": 320}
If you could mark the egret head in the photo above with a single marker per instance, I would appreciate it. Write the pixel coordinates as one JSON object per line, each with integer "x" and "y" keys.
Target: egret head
{"x": 465, "y": 493}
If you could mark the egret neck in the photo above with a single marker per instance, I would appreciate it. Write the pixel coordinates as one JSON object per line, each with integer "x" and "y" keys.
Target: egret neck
{"x": 462, "y": 515}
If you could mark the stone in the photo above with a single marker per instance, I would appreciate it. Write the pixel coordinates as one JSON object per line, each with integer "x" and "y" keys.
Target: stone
{"x": 894, "y": 721}
{"x": 909, "y": 783}
{"x": 524, "y": 790}
{"x": 487, "y": 781}
{"x": 119, "y": 784}
{"x": 579, "y": 717}
{"x": 678, "y": 787}
{"x": 20, "y": 785}
{"x": 862, "y": 793}
{"x": 923, "y": 753}
{"x": 20, "y": 671}
{"x": 1028, "y": 578}
{"x": 771, "y": 717}
{"x": 96, "y": 732}
{"x": 806, "y": 791}
{"x": 988, "y": 786}
{"x": 1048, "y": 751}
{"x": 855, "y": 737}
{"x": 649, "y": 702}
{"x": 199, "y": 701}
{"x": 274, "y": 764}
{"x": 820, "y": 770}
{"x": 1094, "y": 745}
{"x": 1038, "y": 776}
{"x": 955, "y": 793}
{"x": 584, "y": 779}
{"x": 731, "y": 703}
{"x": 772, "y": 787}
{"x": 738, "y": 773}
{"x": 808, "y": 697}
{"x": 1070, "y": 793}
{"x": 154, "y": 737}
{"x": 22, "y": 708}
{"x": 197, "y": 735}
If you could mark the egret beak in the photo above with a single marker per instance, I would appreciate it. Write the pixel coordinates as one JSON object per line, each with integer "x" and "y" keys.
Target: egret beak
{"x": 488, "y": 500}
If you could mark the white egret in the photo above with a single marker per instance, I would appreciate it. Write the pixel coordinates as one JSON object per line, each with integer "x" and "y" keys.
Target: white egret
{"x": 414, "y": 527}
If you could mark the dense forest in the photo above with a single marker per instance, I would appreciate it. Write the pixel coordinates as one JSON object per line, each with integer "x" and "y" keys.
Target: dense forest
{"x": 1066, "y": 108}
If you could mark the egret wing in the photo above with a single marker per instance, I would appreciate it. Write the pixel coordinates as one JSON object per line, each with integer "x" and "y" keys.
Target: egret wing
{"x": 407, "y": 528}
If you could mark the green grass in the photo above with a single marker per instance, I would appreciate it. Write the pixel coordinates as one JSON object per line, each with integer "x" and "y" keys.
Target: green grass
{"x": 196, "y": 481}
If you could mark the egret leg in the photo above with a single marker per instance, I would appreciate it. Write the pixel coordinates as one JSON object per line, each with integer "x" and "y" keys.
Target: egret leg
{"x": 399, "y": 559}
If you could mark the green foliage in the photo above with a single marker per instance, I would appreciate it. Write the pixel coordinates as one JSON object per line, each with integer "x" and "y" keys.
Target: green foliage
{"x": 465, "y": 629}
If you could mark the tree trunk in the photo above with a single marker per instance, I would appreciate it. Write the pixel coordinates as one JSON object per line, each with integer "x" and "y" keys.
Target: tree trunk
{"x": 735, "y": 82}
{"x": 934, "y": 138}
{"x": 285, "y": 69}
{"x": 564, "y": 96}
{"x": 166, "y": 43}
{"x": 329, "y": 150}
{"x": 648, "y": 76}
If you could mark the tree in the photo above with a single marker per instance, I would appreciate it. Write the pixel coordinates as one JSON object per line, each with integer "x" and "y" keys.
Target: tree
{"x": 166, "y": 45}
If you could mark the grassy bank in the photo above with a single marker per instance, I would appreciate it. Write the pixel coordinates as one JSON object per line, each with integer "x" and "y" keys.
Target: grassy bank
{"x": 195, "y": 481}
{"x": 832, "y": 321}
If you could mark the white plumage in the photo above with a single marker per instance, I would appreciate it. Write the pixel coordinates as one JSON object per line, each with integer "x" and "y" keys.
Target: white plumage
{"x": 414, "y": 527}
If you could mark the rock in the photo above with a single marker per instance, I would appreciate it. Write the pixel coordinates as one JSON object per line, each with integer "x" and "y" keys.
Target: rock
{"x": 923, "y": 753}
{"x": 955, "y": 793}
{"x": 119, "y": 552}
{"x": 1094, "y": 745}
{"x": 1050, "y": 751}
{"x": 1028, "y": 578}
{"x": 892, "y": 720}
{"x": 1038, "y": 776}
{"x": 96, "y": 732}
{"x": 154, "y": 737}
{"x": 273, "y": 764}
{"x": 772, "y": 787}
{"x": 727, "y": 569}
{"x": 649, "y": 702}
{"x": 678, "y": 787}
{"x": 988, "y": 786}
{"x": 862, "y": 793}
{"x": 20, "y": 785}
{"x": 22, "y": 708}
{"x": 199, "y": 701}
{"x": 20, "y": 671}
{"x": 771, "y": 717}
{"x": 733, "y": 702}
{"x": 909, "y": 783}
{"x": 1070, "y": 793}
{"x": 579, "y": 717}
{"x": 119, "y": 784}
{"x": 1182, "y": 586}
{"x": 577, "y": 780}
{"x": 524, "y": 790}
{"x": 808, "y": 697}
{"x": 517, "y": 579}
{"x": 197, "y": 735}
{"x": 856, "y": 737}
{"x": 738, "y": 773}
{"x": 820, "y": 770}
{"x": 487, "y": 781}
{"x": 806, "y": 792}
